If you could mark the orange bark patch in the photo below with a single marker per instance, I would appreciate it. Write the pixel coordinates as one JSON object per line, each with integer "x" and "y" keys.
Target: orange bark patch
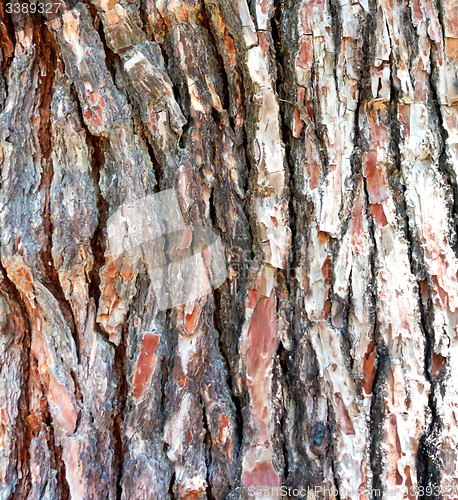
{"x": 231, "y": 50}
{"x": 409, "y": 484}
{"x": 94, "y": 117}
{"x": 342, "y": 415}
{"x": 262, "y": 334}
{"x": 259, "y": 470}
{"x": 421, "y": 84}
{"x": 224, "y": 434}
{"x": 326, "y": 309}
{"x": 404, "y": 115}
{"x": 223, "y": 423}
{"x": 110, "y": 296}
{"x": 229, "y": 43}
{"x": 63, "y": 401}
{"x": 394, "y": 452}
{"x": 297, "y": 123}
{"x": 437, "y": 364}
{"x": 251, "y": 303}
{"x": 185, "y": 11}
{"x": 92, "y": 97}
{"x": 378, "y": 130}
{"x": 326, "y": 269}
{"x": 26, "y": 279}
{"x": 182, "y": 381}
{"x": 145, "y": 363}
{"x": 305, "y": 56}
{"x": 424, "y": 290}
{"x": 262, "y": 343}
{"x": 262, "y": 474}
{"x": 191, "y": 319}
{"x": 309, "y": 108}
{"x": 369, "y": 367}
{"x": 263, "y": 43}
{"x": 417, "y": 14}
{"x": 357, "y": 216}
{"x": 313, "y": 166}
{"x": 300, "y": 93}
{"x": 322, "y": 236}
{"x": 379, "y": 214}
{"x": 98, "y": 119}
{"x": 451, "y": 47}
{"x": 376, "y": 184}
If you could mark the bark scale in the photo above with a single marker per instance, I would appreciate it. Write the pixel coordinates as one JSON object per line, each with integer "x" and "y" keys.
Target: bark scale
{"x": 320, "y": 139}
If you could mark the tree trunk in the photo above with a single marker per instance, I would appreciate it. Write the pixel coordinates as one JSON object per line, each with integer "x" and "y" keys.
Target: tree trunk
{"x": 319, "y": 140}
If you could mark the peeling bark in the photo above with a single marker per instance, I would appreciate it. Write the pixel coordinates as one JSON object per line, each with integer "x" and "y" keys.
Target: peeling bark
{"x": 319, "y": 138}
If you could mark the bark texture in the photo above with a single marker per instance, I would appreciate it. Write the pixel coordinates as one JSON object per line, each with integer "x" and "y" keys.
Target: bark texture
{"x": 320, "y": 138}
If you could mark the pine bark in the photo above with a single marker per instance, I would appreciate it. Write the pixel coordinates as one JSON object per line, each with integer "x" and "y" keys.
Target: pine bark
{"x": 320, "y": 139}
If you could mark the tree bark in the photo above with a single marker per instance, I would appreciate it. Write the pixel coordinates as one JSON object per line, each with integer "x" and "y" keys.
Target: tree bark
{"x": 320, "y": 139}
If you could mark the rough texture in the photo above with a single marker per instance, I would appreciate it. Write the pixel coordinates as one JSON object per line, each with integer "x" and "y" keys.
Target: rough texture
{"x": 320, "y": 138}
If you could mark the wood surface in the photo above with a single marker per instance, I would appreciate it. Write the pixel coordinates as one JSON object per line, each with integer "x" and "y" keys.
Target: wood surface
{"x": 320, "y": 139}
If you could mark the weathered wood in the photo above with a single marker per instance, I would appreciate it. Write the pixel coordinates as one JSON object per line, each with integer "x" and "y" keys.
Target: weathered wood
{"x": 320, "y": 139}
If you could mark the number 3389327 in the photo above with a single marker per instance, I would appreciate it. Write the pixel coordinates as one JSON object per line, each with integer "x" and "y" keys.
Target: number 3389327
{"x": 26, "y": 8}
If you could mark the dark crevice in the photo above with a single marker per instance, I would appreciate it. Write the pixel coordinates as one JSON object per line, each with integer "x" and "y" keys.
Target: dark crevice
{"x": 207, "y": 451}
{"x": 183, "y": 142}
{"x": 333, "y": 445}
{"x": 7, "y": 48}
{"x": 377, "y": 415}
{"x": 47, "y": 55}
{"x": 96, "y": 146}
{"x": 445, "y": 164}
{"x": 221, "y": 67}
{"x": 428, "y": 460}
{"x": 110, "y": 57}
{"x": 26, "y": 434}
{"x": 441, "y": 18}
{"x": 335, "y": 10}
{"x": 158, "y": 169}
{"x": 285, "y": 282}
{"x": 167, "y": 368}
{"x": 92, "y": 11}
{"x": 43, "y": 69}
{"x": 378, "y": 408}
{"x": 346, "y": 342}
{"x": 412, "y": 39}
{"x": 278, "y": 25}
{"x": 58, "y": 463}
{"x": 171, "y": 489}
{"x": 283, "y": 358}
{"x": 223, "y": 350}
{"x": 428, "y": 466}
{"x": 144, "y": 19}
{"x": 161, "y": 40}
{"x": 98, "y": 240}
{"x": 394, "y": 169}
{"x": 377, "y": 412}
{"x": 252, "y": 9}
{"x": 119, "y": 418}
